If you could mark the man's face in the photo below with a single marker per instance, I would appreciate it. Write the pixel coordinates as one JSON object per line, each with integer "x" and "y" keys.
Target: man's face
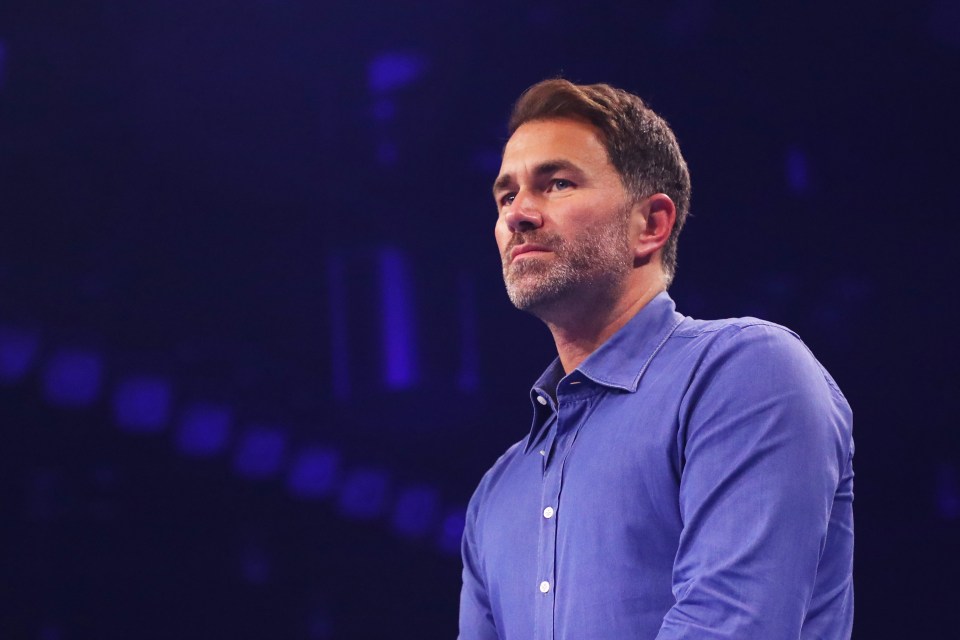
{"x": 564, "y": 223}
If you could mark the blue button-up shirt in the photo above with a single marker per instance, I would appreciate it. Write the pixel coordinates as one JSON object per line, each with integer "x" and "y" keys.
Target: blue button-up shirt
{"x": 690, "y": 479}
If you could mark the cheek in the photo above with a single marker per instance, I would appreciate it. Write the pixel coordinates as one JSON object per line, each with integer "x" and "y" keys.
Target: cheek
{"x": 502, "y": 234}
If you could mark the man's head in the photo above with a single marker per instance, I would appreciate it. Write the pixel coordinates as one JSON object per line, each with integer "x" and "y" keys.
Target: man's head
{"x": 612, "y": 136}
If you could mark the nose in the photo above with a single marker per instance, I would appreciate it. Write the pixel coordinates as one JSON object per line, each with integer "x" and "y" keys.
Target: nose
{"x": 524, "y": 213}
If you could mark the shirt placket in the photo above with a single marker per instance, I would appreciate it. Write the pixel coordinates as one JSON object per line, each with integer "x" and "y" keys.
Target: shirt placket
{"x": 555, "y": 448}
{"x": 547, "y": 539}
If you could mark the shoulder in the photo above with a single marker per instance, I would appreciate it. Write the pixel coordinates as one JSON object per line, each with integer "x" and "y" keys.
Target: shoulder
{"x": 747, "y": 365}
{"x": 749, "y": 342}
{"x": 492, "y": 477}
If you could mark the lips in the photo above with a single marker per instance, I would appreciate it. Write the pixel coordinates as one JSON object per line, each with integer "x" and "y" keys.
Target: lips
{"x": 527, "y": 247}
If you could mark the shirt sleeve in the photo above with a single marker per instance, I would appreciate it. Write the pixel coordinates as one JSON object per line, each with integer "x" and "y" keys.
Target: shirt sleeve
{"x": 764, "y": 436}
{"x": 476, "y": 617}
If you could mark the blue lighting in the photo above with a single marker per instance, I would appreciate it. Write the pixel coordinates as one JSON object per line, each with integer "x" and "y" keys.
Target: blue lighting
{"x": 73, "y": 377}
{"x": 364, "y": 493}
{"x": 18, "y": 350}
{"x": 451, "y": 531}
{"x": 416, "y": 511}
{"x": 314, "y": 473}
{"x": 142, "y": 404}
{"x": 399, "y": 332}
{"x": 260, "y": 452}
{"x": 204, "y": 429}
{"x": 392, "y": 70}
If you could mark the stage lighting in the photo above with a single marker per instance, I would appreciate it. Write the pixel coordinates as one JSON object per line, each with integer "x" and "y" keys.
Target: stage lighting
{"x": 73, "y": 377}
{"x": 204, "y": 429}
{"x": 141, "y": 404}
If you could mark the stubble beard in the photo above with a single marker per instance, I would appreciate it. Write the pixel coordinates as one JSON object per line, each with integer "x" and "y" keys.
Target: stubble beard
{"x": 588, "y": 269}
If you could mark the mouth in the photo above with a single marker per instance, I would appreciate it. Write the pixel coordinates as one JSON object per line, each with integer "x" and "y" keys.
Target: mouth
{"x": 527, "y": 249}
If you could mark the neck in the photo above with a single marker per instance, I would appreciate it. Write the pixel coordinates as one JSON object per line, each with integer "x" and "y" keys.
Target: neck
{"x": 579, "y": 329}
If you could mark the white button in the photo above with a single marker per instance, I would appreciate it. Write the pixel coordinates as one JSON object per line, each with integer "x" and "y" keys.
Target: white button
{"x": 548, "y": 512}
{"x": 544, "y": 586}
{"x": 541, "y": 400}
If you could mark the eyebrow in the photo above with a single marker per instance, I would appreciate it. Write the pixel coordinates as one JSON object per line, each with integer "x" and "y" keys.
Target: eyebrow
{"x": 543, "y": 169}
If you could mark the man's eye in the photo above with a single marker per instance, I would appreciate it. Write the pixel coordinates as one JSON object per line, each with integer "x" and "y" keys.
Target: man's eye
{"x": 508, "y": 199}
{"x": 560, "y": 184}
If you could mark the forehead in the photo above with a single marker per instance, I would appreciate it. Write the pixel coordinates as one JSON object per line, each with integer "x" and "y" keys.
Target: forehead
{"x": 576, "y": 141}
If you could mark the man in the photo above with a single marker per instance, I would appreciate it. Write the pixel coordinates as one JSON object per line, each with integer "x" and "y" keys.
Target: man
{"x": 682, "y": 478}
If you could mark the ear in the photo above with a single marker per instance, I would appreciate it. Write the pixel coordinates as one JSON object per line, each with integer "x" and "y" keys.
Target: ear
{"x": 654, "y": 218}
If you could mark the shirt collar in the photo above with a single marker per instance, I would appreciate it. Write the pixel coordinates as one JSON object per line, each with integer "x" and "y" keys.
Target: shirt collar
{"x": 618, "y": 363}
{"x": 621, "y": 361}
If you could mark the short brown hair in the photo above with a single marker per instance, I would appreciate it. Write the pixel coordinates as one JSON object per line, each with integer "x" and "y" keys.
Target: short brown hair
{"x": 640, "y": 144}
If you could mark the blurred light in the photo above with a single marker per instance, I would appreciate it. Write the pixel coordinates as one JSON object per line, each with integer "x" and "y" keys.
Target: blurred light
{"x": 364, "y": 493}
{"x": 392, "y": 70}
{"x": 260, "y": 452}
{"x": 142, "y": 404}
{"x": 337, "y": 308}
{"x": 399, "y": 333}
{"x": 468, "y": 377}
{"x": 451, "y": 531}
{"x": 798, "y": 171}
{"x": 416, "y": 511}
{"x": 314, "y": 472}
{"x": 18, "y": 350}
{"x": 73, "y": 377}
{"x": 204, "y": 429}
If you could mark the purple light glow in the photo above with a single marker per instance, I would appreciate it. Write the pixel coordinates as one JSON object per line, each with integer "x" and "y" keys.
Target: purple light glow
{"x": 393, "y": 70}
{"x": 142, "y": 404}
{"x": 416, "y": 511}
{"x": 364, "y": 493}
{"x": 399, "y": 331}
{"x": 204, "y": 429}
{"x": 18, "y": 351}
{"x": 314, "y": 473}
{"x": 260, "y": 452}
{"x": 451, "y": 531}
{"x": 73, "y": 378}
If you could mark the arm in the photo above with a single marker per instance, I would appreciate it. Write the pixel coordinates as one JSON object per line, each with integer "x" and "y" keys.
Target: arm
{"x": 763, "y": 439}
{"x": 476, "y": 617}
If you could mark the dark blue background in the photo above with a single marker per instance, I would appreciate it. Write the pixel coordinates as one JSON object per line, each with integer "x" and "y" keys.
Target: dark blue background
{"x": 254, "y": 348}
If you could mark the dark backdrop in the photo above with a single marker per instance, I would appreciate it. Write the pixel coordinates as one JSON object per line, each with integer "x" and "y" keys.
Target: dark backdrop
{"x": 254, "y": 348}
